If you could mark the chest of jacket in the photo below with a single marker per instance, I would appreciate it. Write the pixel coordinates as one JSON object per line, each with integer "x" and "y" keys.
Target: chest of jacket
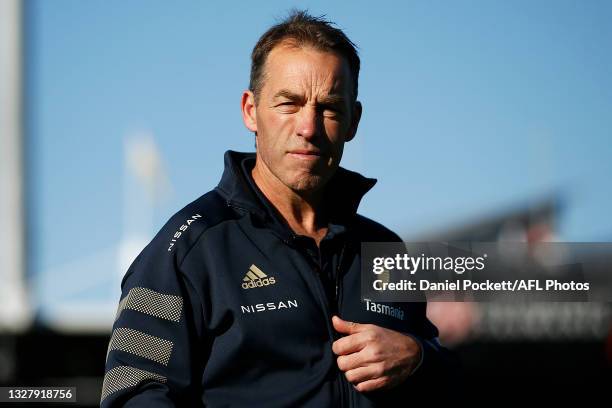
{"x": 267, "y": 314}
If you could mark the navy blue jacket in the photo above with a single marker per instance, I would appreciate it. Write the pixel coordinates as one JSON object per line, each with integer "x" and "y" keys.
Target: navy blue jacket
{"x": 227, "y": 307}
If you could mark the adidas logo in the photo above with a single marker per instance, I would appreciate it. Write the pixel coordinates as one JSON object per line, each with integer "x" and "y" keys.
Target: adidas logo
{"x": 255, "y": 278}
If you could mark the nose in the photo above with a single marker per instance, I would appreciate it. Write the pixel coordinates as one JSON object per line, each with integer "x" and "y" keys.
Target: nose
{"x": 308, "y": 122}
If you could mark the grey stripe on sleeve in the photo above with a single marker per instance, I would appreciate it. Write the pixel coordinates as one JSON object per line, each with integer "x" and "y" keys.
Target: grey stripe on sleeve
{"x": 141, "y": 344}
{"x": 122, "y": 377}
{"x": 147, "y": 301}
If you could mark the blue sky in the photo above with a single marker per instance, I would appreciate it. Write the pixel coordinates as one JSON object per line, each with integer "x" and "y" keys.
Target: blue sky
{"x": 470, "y": 108}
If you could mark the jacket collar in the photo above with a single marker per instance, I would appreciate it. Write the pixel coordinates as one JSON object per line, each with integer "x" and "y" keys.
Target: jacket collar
{"x": 343, "y": 192}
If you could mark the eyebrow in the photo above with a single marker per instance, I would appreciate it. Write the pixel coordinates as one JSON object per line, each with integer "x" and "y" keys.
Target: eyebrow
{"x": 331, "y": 99}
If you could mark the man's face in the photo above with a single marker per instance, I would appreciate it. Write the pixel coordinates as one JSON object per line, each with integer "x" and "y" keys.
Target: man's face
{"x": 303, "y": 117}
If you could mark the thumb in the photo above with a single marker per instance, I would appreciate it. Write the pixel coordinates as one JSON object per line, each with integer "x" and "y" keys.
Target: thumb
{"x": 344, "y": 326}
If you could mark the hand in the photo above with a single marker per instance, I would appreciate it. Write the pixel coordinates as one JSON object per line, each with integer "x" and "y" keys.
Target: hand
{"x": 373, "y": 357}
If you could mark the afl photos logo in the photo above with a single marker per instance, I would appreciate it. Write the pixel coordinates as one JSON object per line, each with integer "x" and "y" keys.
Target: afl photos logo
{"x": 255, "y": 278}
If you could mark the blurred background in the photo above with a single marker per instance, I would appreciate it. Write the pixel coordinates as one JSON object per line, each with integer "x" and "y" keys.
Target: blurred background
{"x": 483, "y": 120}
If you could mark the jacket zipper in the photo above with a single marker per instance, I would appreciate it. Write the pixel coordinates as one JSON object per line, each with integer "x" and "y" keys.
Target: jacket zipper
{"x": 344, "y": 390}
{"x": 328, "y": 316}
{"x": 326, "y": 310}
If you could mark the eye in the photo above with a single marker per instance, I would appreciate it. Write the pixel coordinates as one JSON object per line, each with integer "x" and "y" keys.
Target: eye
{"x": 331, "y": 111}
{"x": 287, "y": 107}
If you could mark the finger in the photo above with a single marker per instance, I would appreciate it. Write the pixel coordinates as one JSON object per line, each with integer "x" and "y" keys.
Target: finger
{"x": 346, "y": 327}
{"x": 349, "y": 344}
{"x": 363, "y": 374}
{"x": 373, "y": 385}
{"x": 350, "y": 361}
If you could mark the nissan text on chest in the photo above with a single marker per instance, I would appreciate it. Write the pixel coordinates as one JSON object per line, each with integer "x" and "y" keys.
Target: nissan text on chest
{"x": 249, "y": 295}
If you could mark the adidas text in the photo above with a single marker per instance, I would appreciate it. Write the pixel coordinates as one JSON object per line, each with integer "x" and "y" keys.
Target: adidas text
{"x": 258, "y": 283}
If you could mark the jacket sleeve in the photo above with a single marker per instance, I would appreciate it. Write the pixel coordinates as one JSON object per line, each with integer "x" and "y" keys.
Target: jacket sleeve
{"x": 439, "y": 368}
{"x": 154, "y": 356}
{"x": 438, "y": 375}
{"x": 435, "y": 359}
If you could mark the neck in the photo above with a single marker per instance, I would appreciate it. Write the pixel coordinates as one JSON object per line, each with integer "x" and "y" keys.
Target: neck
{"x": 304, "y": 213}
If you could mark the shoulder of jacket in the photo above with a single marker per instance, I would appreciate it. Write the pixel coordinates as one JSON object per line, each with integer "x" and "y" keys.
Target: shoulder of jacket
{"x": 181, "y": 232}
{"x": 370, "y": 230}
{"x": 185, "y": 227}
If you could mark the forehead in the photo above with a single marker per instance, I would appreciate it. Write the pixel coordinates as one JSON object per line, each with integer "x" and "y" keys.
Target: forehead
{"x": 306, "y": 69}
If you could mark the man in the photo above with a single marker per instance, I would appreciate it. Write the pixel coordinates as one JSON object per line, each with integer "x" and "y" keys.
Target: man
{"x": 250, "y": 295}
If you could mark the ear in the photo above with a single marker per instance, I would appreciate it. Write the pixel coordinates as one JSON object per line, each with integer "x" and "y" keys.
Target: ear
{"x": 355, "y": 117}
{"x": 249, "y": 110}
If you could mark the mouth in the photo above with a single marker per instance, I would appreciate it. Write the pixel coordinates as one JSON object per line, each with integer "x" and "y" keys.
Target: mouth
{"x": 306, "y": 154}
